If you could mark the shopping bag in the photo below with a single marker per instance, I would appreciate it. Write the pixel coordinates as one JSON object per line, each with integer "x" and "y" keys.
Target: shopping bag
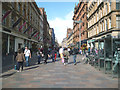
{"x": 15, "y": 67}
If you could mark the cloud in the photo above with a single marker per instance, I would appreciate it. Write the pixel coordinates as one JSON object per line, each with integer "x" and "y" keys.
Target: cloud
{"x": 60, "y": 25}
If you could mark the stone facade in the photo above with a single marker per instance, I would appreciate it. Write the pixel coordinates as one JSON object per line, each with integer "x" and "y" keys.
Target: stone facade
{"x": 80, "y": 13}
{"x": 103, "y": 20}
{"x": 22, "y": 26}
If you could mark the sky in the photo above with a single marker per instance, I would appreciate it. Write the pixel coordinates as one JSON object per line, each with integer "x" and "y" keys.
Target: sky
{"x": 59, "y": 16}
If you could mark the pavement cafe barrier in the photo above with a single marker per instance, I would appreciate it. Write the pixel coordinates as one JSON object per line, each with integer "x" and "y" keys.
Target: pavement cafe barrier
{"x": 108, "y": 57}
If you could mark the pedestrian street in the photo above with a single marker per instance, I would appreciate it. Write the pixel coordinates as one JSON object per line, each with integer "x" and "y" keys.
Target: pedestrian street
{"x": 56, "y": 75}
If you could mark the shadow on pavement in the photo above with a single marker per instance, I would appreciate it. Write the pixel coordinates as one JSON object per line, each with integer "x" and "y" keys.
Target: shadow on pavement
{"x": 78, "y": 62}
{"x": 7, "y": 75}
{"x": 50, "y": 60}
{"x": 73, "y": 62}
{"x": 58, "y": 60}
{"x": 31, "y": 68}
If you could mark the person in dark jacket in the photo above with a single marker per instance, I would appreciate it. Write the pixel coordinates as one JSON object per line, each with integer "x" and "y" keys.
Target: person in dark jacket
{"x": 75, "y": 51}
{"x": 45, "y": 54}
{"x": 53, "y": 55}
{"x": 39, "y": 54}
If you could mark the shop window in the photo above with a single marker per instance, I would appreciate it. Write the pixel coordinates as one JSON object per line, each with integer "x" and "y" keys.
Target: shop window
{"x": 19, "y": 7}
{"x": 12, "y": 44}
{"x": 109, "y": 22}
{"x": 97, "y": 29}
{"x": 103, "y": 25}
{"x": 106, "y": 27}
{"x": 4, "y": 43}
{"x": 4, "y": 21}
{"x": 118, "y": 21}
{"x": 106, "y": 8}
{"x": 110, "y": 6}
{"x": 12, "y": 19}
{"x": 13, "y": 4}
{"x": 118, "y": 5}
{"x": 19, "y": 45}
{"x": 97, "y": 16}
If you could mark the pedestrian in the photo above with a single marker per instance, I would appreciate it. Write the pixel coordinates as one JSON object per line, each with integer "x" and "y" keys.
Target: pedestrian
{"x": 68, "y": 50}
{"x": 53, "y": 54}
{"x": 75, "y": 52}
{"x": 45, "y": 55}
{"x": 61, "y": 54}
{"x": 27, "y": 55}
{"x": 89, "y": 50}
{"x": 117, "y": 58}
{"x": 66, "y": 56}
{"x": 39, "y": 54}
{"x": 80, "y": 51}
{"x": 20, "y": 59}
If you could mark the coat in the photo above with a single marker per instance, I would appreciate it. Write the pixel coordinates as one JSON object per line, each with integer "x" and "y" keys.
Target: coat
{"x": 20, "y": 57}
{"x": 66, "y": 54}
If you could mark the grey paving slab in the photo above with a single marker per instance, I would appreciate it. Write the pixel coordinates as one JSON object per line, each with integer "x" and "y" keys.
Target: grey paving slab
{"x": 56, "y": 75}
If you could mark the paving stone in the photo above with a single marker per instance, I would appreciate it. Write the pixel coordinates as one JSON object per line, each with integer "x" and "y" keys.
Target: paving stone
{"x": 56, "y": 75}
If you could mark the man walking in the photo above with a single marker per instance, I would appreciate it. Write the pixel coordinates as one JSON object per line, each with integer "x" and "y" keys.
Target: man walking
{"x": 75, "y": 51}
{"x": 45, "y": 55}
{"x": 39, "y": 54}
{"x": 53, "y": 55}
{"x": 27, "y": 55}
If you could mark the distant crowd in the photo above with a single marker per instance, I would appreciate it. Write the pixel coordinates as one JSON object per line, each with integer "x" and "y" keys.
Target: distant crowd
{"x": 43, "y": 54}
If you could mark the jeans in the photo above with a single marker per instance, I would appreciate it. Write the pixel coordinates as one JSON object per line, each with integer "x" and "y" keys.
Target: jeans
{"x": 27, "y": 62}
{"x": 115, "y": 65}
{"x": 74, "y": 58}
{"x": 39, "y": 58}
{"x": 53, "y": 58}
{"x": 20, "y": 64}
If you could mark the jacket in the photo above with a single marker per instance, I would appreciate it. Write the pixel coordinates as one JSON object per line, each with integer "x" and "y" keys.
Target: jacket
{"x": 20, "y": 57}
{"x": 66, "y": 54}
{"x": 75, "y": 51}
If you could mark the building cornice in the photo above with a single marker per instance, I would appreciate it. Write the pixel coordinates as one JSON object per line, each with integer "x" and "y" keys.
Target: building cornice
{"x": 103, "y": 33}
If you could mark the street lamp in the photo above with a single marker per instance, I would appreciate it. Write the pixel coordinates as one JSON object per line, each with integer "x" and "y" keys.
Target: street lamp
{"x": 78, "y": 22}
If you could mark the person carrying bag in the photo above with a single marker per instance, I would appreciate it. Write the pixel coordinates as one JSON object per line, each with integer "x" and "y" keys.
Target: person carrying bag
{"x": 20, "y": 59}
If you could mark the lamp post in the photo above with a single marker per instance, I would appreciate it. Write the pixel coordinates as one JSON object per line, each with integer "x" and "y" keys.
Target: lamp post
{"x": 78, "y": 22}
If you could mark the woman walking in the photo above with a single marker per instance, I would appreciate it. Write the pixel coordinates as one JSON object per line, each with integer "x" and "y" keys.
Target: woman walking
{"x": 61, "y": 54}
{"x": 66, "y": 56}
{"x": 20, "y": 59}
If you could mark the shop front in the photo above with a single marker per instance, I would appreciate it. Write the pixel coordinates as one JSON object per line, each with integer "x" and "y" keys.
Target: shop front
{"x": 8, "y": 47}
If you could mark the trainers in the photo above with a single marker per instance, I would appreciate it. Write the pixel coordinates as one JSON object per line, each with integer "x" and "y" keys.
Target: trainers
{"x": 74, "y": 63}
{"x": 18, "y": 71}
{"x": 64, "y": 64}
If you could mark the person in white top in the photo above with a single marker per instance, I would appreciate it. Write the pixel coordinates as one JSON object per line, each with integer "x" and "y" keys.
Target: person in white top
{"x": 27, "y": 55}
{"x": 61, "y": 54}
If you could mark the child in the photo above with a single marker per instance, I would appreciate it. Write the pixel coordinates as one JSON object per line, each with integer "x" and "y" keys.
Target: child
{"x": 20, "y": 59}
